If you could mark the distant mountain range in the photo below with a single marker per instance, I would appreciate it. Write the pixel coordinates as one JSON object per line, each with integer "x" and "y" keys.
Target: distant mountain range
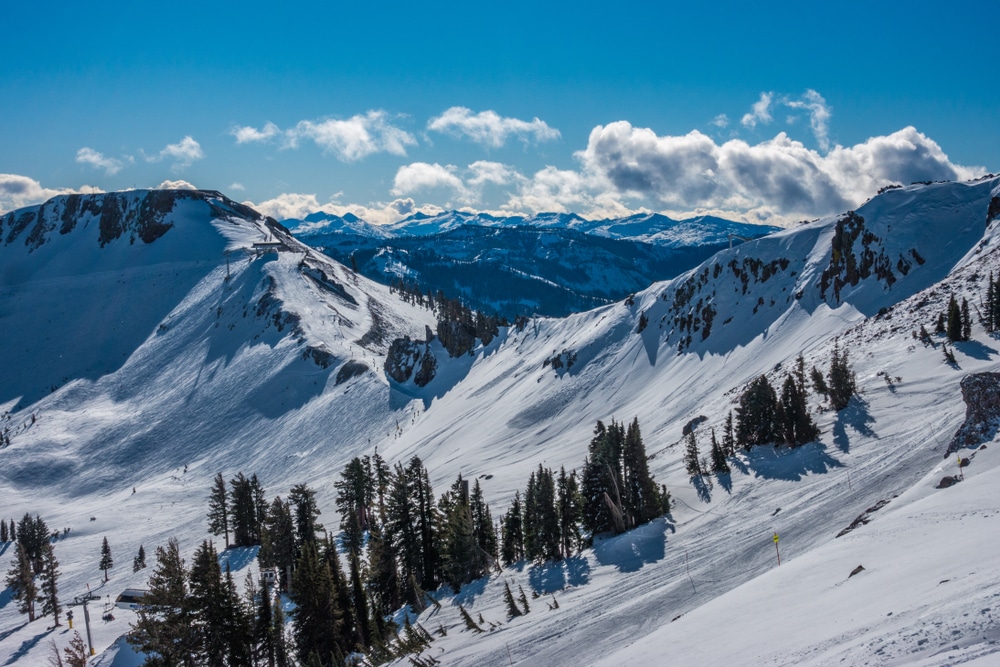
{"x": 549, "y": 263}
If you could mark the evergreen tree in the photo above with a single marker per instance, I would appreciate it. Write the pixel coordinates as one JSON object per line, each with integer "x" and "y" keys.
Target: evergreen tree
{"x": 278, "y": 540}
{"x": 207, "y": 616}
{"x": 939, "y": 326}
{"x": 243, "y": 510}
{"x": 819, "y": 382}
{"x": 570, "y": 506}
{"x": 218, "y": 509}
{"x": 640, "y": 495}
{"x": 512, "y": 609}
{"x": 383, "y": 577}
{"x": 462, "y": 562}
{"x": 21, "y": 582}
{"x": 795, "y": 424}
{"x": 238, "y": 623}
{"x": 602, "y": 480}
{"x": 840, "y": 379}
{"x": 355, "y": 495}
{"x": 966, "y": 320}
{"x": 107, "y": 562}
{"x": 692, "y": 461}
{"x": 513, "y": 533}
{"x": 359, "y": 601}
{"x": 755, "y": 416}
{"x": 33, "y": 535}
{"x": 483, "y": 528}
{"x": 954, "y": 326}
{"x": 728, "y": 436}
{"x": 139, "y": 562}
{"x": 264, "y": 635}
{"x": 719, "y": 464}
{"x": 49, "y": 580}
{"x": 4, "y": 536}
{"x": 316, "y": 620}
{"x": 304, "y": 510}
{"x": 349, "y": 634}
{"x": 163, "y": 629}
{"x": 282, "y": 654}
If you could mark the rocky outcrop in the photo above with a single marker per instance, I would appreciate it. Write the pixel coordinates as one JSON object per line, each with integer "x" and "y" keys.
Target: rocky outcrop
{"x": 406, "y": 355}
{"x": 981, "y": 392}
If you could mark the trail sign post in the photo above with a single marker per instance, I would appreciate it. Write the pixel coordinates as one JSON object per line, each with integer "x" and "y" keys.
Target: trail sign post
{"x": 778, "y": 553}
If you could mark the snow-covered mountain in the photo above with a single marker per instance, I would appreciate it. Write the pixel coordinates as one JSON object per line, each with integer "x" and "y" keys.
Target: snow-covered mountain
{"x": 550, "y": 263}
{"x": 208, "y": 366}
{"x": 653, "y": 228}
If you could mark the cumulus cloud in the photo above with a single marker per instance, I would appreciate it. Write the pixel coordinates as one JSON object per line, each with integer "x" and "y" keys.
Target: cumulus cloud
{"x": 18, "y": 191}
{"x": 183, "y": 154}
{"x": 175, "y": 185}
{"x": 418, "y": 176}
{"x": 247, "y": 134}
{"x": 298, "y": 205}
{"x": 721, "y": 121}
{"x": 349, "y": 140}
{"x": 760, "y": 112}
{"x": 98, "y": 160}
{"x": 780, "y": 177}
{"x": 819, "y": 115}
{"x": 490, "y": 128}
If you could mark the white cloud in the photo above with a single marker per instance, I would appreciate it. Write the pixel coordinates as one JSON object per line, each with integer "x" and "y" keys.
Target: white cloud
{"x": 298, "y": 206}
{"x": 483, "y": 172}
{"x": 489, "y": 128}
{"x": 760, "y": 112}
{"x": 175, "y": 185}
{"x": 183, "y": 154}
{"x": 721, "y": 121}
{"x": 98, "y": 160}
{"x": 19, "y": 191}
{"x": 780, "y": 177}
{"x": 237, "y": 186}
{"x": 819, "y": 115}
{"x": 247, "y": 134}
{"x": 418, "y": 176}
{"x": 355, "y": 138}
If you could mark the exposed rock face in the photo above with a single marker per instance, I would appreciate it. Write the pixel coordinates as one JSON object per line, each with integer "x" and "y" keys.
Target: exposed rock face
{"x": 981, "y": 392}
{"x": 404, "y": 356}
{"x": 351, "y": 369}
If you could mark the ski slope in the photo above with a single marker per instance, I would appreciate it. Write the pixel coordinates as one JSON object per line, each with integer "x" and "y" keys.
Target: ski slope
{"x": 209, "y": 383}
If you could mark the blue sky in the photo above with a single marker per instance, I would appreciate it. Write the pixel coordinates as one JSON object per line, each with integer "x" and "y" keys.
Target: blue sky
{"x": 768, "y": 113}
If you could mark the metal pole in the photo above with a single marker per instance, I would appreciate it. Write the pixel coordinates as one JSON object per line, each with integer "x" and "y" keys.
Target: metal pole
{"x": 86, "y": 620}
{"x": 776, "y": 548}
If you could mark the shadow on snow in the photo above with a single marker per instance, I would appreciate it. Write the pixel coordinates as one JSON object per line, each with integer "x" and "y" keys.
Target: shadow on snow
{"x": 857, "y": 417}
{"x": 554, "y": 576}
{"x": 790, "y": 464}
{"x": 631, "y": 550}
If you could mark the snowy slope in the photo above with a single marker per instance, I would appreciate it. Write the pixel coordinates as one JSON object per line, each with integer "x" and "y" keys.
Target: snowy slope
{"x": 217, "y": 391}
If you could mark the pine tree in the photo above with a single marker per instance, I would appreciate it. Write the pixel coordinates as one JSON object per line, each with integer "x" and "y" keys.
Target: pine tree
{"x": 755, "y": 416}
{"x": 570, "y": 506}
{"x": 819, "y": 382}
{"x": 21, "y": 581}
{"x": 719, "y": 463}
{"x": 728, "y": 436}
{"x": 359, "y": 601}
{"x": 483, "y": 528}
{"x": 640, "y": 495}
{"x": 32, "y": 535}
{"x": 513, "y": 533}
{"x": 966, "y": 320}
{"x": 524, "y": 599}
{"x": 264, "y": 636}
{"x": 512, "y": 609}
{"x": 795, "y": 424}
{"x": 243, "y": 511}
{"x": 304, "y": 510}
{"x": 939, "y": 326}
{"x": 355, "y": 495}
{"x": 49, "y": 580}
{"x": 107, "y": 562}
{"x": 840, "y": 379}
{"x": 383, "y": 577}
{"x": 208, "y": 617}
{"x": 4, "y": 536}
{"x": 601, "y": 481}
{"x": 163, "y": 626}
{"x": 278, "y": 540}
{"x": 461, "y": 553}
{"x": 139, "y": 562}
{"x": 282, "y": 654}
{"x": 692, "y": 461}
{"x": 954, "y": 326}
{"x": 990, "y": 306}
{"x": 316, "y": 620}
{"x": 218, "y": 509}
